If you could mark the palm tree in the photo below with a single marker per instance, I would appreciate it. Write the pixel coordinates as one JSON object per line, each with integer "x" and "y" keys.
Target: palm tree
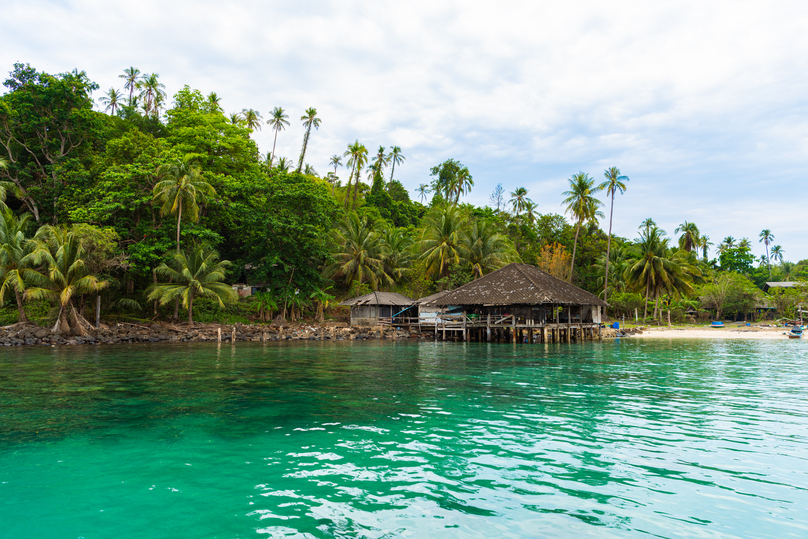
{"x": 766, "y": 237}
{"x": 132, "y": 77}
{"x": 309, "y": 119}
{"x": 614, "y": 182}
{"x": 5, "y": 186}
{"x": 309, "y": 170}
{"x": 111, "y": 100}
{"x": 152, "y": 92}
{"x": 215, "y": 102}
{"x": 197, "y": 274}
{"x": 396, "y": 252}
{"x": 323, "y": 300}
{"x": 440, "y": 239}
{"x": 647, "y": 224}
{"x": 581, "y": 205}
{"x": 235, "y": 118}
{"x": 461, "y": 184}
{"x": 14, "y": 247}
{"x": 381, "y": 160}
{"x": 358, "y": 253}
{"x": 649, "y": 266}
{"x": 705, "y": 244}
{"x": 395, "y": 158}
{"x": 284, "y": 165}
{"x": 777, "y": 253}
{"x": 65, "y": 276}
{"x": 745, "y": 244}
{"x": 357, "y": 156}
{"x": 518, "y": 200}
{"x": 690, "y": 236}
{"x": 336, "y": 161}
{"x": 278, "y": 122}
{"x": 530, "y": 211}
{"x": 251, "y": 118}
{"x": 728, "y": 243}
{"x": 181, "y": 188}
{"x": 485, "y": 249}
{"x": 423, "y": 191}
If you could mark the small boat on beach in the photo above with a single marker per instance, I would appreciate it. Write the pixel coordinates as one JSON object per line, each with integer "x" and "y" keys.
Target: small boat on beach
{"x": 795, "y": 333}
{"x": 717, "y": 324}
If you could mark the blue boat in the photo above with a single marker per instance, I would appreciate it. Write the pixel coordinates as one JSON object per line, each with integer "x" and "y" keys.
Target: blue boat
{"x": 795, "y": 333}
{"x": 717, "y": 324}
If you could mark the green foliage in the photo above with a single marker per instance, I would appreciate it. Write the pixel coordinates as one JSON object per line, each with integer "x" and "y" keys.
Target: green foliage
{"x": 738, "y": 259}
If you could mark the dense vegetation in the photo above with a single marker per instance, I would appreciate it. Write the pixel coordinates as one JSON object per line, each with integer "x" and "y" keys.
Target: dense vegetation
{"x": 141, "y": 209}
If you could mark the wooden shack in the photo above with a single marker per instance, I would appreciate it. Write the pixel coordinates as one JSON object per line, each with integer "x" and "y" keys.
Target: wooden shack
{"x": 520, "y": 303}
{"x": 379, "y": 308}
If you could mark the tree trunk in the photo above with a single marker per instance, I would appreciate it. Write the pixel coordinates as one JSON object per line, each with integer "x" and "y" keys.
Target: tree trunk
{"x": 608, "y": 252}
{"x": 348, "y": 189}
{"x": 190, "y": 307}
{"x": 645, "y": 311}
{"x": 271, "y": 159}
{"x": 656, "y": 307}
{"x": 669, "y": 317}
{"x": 179, "y": 220}
{"x": 392, "y": 169}
{"x": 20, "y": 308}
{"x": 574, "y": 247}
{"x": 303, "y": 152}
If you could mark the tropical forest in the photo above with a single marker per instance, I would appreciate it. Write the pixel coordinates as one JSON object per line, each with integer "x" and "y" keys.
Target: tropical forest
{"x": 130, "y": 204}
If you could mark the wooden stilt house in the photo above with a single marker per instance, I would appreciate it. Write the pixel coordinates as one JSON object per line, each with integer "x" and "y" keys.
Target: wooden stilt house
{"x": 379, "y": 308}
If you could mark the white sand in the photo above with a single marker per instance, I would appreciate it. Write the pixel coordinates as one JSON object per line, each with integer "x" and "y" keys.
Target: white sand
{"x": 743, "y": 332}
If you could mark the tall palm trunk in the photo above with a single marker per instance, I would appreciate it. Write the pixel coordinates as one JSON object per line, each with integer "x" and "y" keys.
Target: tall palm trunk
{"x": 647, "y": 289}
{"x": 272, "y": 159}
{"x": 191, "y": 307}
{"x": 392, "y": 170}
{"x": 348, "y": 189}
{"x": 303, "y": 152}
{"x": 574, "y": 247}
{"x": 179, "y": 220}
{"x": 20, "y": 308}
{"x": 608, "y": 253}
{"x": 356, "y": 188}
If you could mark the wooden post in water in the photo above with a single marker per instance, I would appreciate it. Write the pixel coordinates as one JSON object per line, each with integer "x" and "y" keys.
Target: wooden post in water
{"x": 219, "y": 335}
{"x": 488, "y": 329}
{"x": 233, "y": 337}
{"x": 98, "y": 311}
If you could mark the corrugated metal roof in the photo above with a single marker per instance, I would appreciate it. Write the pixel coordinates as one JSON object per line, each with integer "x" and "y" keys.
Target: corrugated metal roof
{"x": 429, "y": 300}
{"x": 379, "y": 298}
{"x": 518, "y": 284}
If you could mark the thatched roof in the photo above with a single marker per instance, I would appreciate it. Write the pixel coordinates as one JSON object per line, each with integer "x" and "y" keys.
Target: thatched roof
{"x": 518, "y": 284}
{"x": 379, "y": 298}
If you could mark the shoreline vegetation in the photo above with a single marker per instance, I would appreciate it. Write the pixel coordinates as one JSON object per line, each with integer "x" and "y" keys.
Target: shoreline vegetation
{"x": 151, "y": 211}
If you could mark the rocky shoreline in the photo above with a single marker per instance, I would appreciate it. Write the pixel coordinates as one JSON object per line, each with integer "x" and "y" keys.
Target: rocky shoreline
{"x": 126, "y": 333}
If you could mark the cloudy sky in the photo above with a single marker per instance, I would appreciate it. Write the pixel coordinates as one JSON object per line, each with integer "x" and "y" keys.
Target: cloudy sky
{"x": 703, "y": 105}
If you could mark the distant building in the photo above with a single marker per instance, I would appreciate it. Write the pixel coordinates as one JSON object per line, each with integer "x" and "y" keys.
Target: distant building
{"x": 379, "y": 308}
{"x": 782, "y": 284}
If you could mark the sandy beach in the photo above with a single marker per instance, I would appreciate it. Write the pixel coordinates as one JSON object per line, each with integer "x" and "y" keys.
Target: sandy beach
{"x": 702, "y": 332}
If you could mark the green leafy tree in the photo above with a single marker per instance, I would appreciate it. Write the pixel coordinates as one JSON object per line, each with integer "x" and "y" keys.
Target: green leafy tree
{"x": 309, "y": 120}
{"x": 357, "y": 156}
{"x": 614, "y": 182}
{"x": 197, "y": 274}
{"x": 358, "y": 253}
{"x": 485, "y": 249}
{"x": 451, "y": 179}
{"x": 582, "y": 205}
{"x": 323, "y": 301}
{"x": 737, "y": 259}
{"x": 440, "y": 240}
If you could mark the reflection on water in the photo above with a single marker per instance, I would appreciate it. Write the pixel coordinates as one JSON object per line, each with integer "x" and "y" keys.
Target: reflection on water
{"x": 399, "y": 439}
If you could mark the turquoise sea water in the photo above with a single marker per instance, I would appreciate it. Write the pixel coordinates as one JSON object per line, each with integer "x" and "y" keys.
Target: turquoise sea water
{"x": 405, "y": 439}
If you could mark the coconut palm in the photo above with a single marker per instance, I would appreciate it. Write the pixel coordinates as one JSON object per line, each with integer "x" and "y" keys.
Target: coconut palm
{"x": 485, "y": 249}
{"x": 309, "y": 120}
{"x": 745, "y": 244}
{"x": 530, "y": 211}
{"x": 64, "y": 276}
{"x": 5, "y": 186}
{"x": 111, "y": 100}
{"x": 396, "y": 252}
{"x": 766, "y": 237}
{"x": 519, "y": 200}
{"x": 235, "y": 118}
{"x": 690, "y": 236}
{"x": 14, "y": 247}
{"x": 358, "y": 253}
{"x": 581, "y": 205}
{"x": 323, "y": 300}
{"x": 278, "y": 122}
{"x": 395, "y": 157}
{"x": 614, "y": 182}
{"x": 251, "y": 118}
{"x": 357, "y": 156}
{"x": 153, "y": 93}
{"x": 132, "y": 77}
{"x": 336, "y": 162}
{"x": 649, "y": 266}
{"x": 198, "y": 273}
{"x": 381, "y": 160}
{"x": 440, "y": 239}
{"x": 461, "y": 184}
{"x": 423, "y": 192}
{"x": 309, "y": 170}
{"x": 777, "y": 253}
{"x": 214, "y": 102}
{"x": 728, "y": 243}
{"x": 181, "y": 189}
{"x": 284, "y": 165}
{"x": 647, "y": 224}
{"x": 704, "y": 245}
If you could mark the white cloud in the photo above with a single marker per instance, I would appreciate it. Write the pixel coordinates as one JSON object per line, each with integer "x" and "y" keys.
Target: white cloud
{"x": 701, "y": 104}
